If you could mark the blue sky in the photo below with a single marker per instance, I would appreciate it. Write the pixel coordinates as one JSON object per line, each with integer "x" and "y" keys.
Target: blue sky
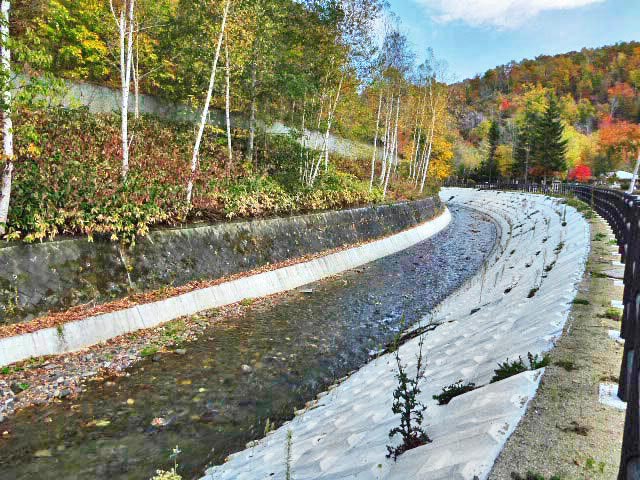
{"x": 475, "y": 35}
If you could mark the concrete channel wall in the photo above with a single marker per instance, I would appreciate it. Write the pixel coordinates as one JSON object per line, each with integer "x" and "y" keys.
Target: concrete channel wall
{"x": 82, "y": 333}
{"x": 54, "y": 276}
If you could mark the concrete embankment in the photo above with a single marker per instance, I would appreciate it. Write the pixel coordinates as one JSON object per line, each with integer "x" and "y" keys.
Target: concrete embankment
{"x": 215, "y": 249}
{"x": 517, "y": 305}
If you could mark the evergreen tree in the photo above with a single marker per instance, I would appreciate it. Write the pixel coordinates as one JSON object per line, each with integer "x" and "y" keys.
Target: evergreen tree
{"x": 549, "y": 148}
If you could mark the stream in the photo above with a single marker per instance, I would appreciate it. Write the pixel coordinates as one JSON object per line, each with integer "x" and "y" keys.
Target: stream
{"x": 242, "y": 373}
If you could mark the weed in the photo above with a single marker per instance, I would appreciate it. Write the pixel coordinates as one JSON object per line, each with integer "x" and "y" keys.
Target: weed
{"x": 575, "y": 427}
{"x": 568, "y": 365}
{"x": 451, "y": 391}
{"x": 581, "y": 301}
{"x": 599, "y": 237}
{"x": 508, "y": 368}
{"x": 613, "y": 241}
{"x": 149, "y": 351}
{"x": 173, "y": 473}
{"x": 532, "y": 292}
{"x": 549, "y": 267}
{"x": 612, "y": 313}
{"x": 247, "y": 302}
{"x": 591, "y": 464}
{"x": 410, "y": 409}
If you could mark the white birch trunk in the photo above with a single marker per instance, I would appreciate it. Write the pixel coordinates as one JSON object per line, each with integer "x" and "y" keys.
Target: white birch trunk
{"x": 7, "y": 125}
{"x": 428, "y": 158}
{"x": 228, "y": 104}
{"x": 126, "y": 27}
{"x": 205, "y": 108}
{"x": 394, "y": 147}
{"x": 325, "y": 148}
{"x": 375, "y": 144}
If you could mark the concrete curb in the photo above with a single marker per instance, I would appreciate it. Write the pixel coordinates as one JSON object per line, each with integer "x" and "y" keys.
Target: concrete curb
{"x": 89, "y": 331}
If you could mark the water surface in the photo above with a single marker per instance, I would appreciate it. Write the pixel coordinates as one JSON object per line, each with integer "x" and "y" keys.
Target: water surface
{"x": 295, "y": 347}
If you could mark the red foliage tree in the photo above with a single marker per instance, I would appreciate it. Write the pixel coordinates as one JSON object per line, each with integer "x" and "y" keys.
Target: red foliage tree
{"x": 580, "y": 173}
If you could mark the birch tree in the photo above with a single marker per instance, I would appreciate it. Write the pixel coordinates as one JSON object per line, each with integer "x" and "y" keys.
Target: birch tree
{"x": 125, "y": 23}
{"x": 227, "y": 103}
{"x": 7, "y": 125}
{"x": 207, "y": 103}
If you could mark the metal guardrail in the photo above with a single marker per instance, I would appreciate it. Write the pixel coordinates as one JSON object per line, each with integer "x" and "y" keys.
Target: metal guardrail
{"x": 622, "y": 213}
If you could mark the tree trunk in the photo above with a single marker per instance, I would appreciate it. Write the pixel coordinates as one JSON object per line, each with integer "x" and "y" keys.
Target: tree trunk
{"x": 136, "y": 78}
{"x": 394, "y": 145}
{"x": 375, "y": 144}
{"x": 228, "y": 105}
{"x": 634, "y": 179}
{"x": 126, "y": 27}
{"x": 252, "y": 111}
{"x": 205, "y": 108}
{"x": 7, "y": 125}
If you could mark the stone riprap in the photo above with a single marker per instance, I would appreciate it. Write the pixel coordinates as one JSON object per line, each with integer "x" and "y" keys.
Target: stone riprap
{"x": 78, "y": 334}
{"x": 57, "y": 275}
{"x": 516, "y": 305}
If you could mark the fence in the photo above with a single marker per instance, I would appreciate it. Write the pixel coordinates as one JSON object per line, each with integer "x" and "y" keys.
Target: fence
{"x": 622, "y": 212}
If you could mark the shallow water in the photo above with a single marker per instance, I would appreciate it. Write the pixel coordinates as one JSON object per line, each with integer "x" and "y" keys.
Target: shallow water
{"x": 296, "y": 346}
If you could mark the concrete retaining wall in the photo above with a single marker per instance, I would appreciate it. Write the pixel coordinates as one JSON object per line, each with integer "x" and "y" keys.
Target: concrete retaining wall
{"x": 75, "y": 335}
{"x": 54, "y": 276}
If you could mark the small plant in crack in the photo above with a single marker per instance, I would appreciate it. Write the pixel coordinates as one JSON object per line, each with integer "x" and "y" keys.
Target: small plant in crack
{"x": 532, "y": 292}
{"x": 508, "y": 368}
{"x": 410, "y": 409}
{"x": 599, "y": 237}
{"x": 449, "y": 392}
{"x": 559, "y": 248}
{"x": 549, "y": 267}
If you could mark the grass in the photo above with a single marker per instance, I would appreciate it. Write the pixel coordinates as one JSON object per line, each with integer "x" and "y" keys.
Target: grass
{"x": 247, "y": 302}
{"x": 568, "y": 365}
{"x": 581, "y": 301}
{"x": 148, "y": 351}
{"x": 599, "y": 237}
{"x": 612, "y": 313}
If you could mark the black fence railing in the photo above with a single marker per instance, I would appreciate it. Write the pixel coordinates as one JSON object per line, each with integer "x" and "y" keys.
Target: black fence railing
{"x": 622, "y": 213}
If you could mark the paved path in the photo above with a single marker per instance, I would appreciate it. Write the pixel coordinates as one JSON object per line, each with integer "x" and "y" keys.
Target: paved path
{"x": 523, "y": 296}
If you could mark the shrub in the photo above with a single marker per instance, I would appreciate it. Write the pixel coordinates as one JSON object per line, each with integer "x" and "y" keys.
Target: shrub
{"x": 451, "y": 391}
{"x": 67, "y": 178}
{"x": 508, "y": 369}
{"x": 410, "y": 409}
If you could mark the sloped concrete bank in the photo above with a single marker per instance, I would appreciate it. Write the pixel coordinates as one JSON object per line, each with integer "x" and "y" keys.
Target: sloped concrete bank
{"x": 516, "y": 305}
{"x": 82, "y": 333}
{"x": 54, "y": 276}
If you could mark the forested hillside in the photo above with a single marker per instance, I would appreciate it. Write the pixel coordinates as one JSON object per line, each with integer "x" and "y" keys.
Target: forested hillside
{"x": 322, "y": 65}
{"x": 598, "y": 103}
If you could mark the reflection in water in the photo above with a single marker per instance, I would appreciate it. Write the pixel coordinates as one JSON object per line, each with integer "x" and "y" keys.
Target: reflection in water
{"x": 241, "y": 372}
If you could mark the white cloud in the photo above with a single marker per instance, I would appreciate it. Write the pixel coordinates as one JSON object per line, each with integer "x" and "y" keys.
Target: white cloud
{"x": 497, "y": 13}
